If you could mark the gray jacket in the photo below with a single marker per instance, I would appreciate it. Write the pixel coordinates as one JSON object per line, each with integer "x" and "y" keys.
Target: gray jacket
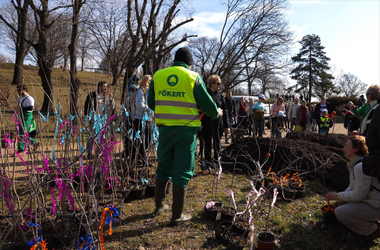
{"x": 142, "y": 105}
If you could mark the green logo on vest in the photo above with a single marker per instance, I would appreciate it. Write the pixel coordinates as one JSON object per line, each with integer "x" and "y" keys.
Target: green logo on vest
{"x": 172, "y": 80}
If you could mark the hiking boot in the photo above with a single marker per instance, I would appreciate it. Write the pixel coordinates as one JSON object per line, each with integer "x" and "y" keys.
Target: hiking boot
{"x": 178, "y": 216}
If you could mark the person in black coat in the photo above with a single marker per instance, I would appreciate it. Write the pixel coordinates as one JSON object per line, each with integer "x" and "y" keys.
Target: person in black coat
{"x": 351, "y": 122}
{"x": 212, "y": 130}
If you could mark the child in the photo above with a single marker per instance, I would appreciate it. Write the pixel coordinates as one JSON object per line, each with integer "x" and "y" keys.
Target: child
{"x": 325, "y": 123}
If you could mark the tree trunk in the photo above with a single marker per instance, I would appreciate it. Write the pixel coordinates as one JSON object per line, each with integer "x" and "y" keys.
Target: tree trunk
{"x": 45, "y": 74}
{"x": 44, "y": 71}
{"x": 310, "y": 76}
{"x": 114, "y": 80}
{"x": 125, "y": 83}
{"x": 82, "y": 63}
{"x": 64, "y": 63}
{"x": 20, "y": 43}
{"x": 74, "y": 81}
{"x": 17, "y": 73}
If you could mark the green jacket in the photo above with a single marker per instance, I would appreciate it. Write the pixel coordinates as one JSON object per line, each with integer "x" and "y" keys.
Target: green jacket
{"x": 203, "y": 99}
{"x": 362, "y": 110}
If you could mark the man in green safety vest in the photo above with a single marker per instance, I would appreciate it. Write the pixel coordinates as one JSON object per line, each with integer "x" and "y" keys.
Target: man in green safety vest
{"x": 25, "y": 105}
{"x": 175, "y": 94}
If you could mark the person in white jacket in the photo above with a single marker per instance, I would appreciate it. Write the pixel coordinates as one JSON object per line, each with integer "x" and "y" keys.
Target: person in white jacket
{"x": 358, "y": 207}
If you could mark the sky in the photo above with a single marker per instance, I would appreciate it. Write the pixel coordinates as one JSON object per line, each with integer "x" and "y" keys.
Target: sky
{"x": 349, "y": 30}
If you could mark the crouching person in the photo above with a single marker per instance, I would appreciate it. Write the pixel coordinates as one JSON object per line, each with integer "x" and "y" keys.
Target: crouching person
{"x": 358, "y": 207}
{"x": 175, "y": 94}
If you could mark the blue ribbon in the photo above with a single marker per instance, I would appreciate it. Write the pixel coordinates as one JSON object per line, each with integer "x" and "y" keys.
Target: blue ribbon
{"x": 144, "y": 180}
{"x": 130, "y": 133}
{"x": 34, "y": 241}
{"x": 87, "y": 242}
{"x": 43, "y": 117}
{"x": 109, "y": 218}
{"x": 52, "y": 152}
{"x": 58, "y": 109}
{"x": 137, "y": 136}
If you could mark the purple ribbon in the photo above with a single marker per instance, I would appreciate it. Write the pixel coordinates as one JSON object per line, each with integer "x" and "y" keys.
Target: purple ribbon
{"x": 109, "y": 184}
{"x": 8, "y": 199}
{"x": 52, "y": 199}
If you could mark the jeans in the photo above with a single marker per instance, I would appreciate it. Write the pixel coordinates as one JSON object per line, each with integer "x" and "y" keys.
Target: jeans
{"x": 292, "y": 124}
{"x": 231, "y": 120}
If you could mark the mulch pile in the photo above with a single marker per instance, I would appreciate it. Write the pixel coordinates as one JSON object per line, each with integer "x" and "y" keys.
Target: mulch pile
{"x": 309, "y": 154}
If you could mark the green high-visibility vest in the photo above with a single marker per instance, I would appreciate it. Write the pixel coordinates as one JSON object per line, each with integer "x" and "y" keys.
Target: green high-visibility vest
{"x": 175, "y": 102}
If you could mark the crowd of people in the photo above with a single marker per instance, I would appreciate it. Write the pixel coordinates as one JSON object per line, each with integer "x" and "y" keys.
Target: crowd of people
{"x": 185, "y": 110}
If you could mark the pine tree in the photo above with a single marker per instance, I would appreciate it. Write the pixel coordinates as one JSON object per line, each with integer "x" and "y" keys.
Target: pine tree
{"x": 312, "y": 68}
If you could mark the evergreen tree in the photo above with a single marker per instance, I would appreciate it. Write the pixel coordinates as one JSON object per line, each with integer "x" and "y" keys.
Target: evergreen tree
{"x": 312, "y": 68}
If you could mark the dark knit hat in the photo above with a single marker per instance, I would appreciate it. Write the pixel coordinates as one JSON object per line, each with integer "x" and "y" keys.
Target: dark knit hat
{"x": 135, "y": 78}
{"x": 184, "y": 55}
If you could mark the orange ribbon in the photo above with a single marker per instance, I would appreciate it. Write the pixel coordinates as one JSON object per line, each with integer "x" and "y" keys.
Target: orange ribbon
{"x": 329, "y": 208}
{"x": 101, "y": 225}
{"x": 42, "y": 243}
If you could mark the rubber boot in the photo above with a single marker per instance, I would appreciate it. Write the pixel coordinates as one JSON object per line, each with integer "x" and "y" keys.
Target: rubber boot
{"x": 178, "y": 216}
{"x": 160, "y": 194}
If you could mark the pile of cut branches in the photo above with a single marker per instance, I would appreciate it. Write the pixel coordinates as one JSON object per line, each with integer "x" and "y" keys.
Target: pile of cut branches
{"x": 309, "y": 154}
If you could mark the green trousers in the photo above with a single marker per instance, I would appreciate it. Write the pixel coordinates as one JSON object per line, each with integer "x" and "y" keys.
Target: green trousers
{"x": 176, "y": 149}
{"x": 27, "y": 118}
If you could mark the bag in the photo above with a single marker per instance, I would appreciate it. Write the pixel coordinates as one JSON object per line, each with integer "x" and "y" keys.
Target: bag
{"x": 371, "y": 164}
{"x": 298, "y": 128}
{"x": 130, "y": 105}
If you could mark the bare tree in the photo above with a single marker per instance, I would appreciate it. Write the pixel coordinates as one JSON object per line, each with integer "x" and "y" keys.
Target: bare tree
{"x": 84, "y": 45}
{"x": 43, "y": 23}
{"x": 107, "y": 24}
{"x": 57, "y": 40}
{"x": 18, "y": 18}
{"x": 349, "y": 85}
{"x": 74, "y": 81}
{"x": 148, "y": 33}
{"x": 251, "y": 29}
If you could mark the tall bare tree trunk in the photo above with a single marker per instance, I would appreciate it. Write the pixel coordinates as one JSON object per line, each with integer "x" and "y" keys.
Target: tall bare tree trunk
{"x": 22, "y": 14}
{"x": 45, "y": 74}
{"x": 74, "y": 81}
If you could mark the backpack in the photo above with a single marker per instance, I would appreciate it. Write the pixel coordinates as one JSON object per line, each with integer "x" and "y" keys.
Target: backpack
{"x": 130, "y": 105}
